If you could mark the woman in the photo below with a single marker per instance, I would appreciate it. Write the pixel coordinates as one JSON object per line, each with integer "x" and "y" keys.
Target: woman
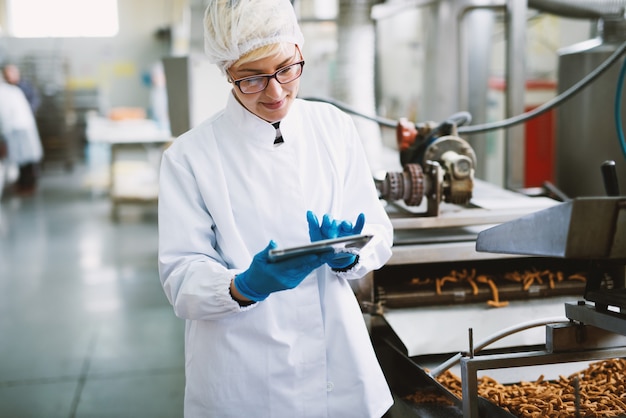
{"x": 264, "y": 339}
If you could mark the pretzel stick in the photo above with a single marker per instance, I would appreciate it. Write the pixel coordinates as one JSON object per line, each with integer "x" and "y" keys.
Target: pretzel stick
{"x": 602, "y": 390}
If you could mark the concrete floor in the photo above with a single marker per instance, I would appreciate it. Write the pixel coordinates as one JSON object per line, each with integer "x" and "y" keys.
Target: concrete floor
{"x": 85, "y": 328}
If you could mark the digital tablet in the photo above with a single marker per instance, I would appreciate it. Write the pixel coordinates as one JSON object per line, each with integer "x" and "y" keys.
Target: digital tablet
{"x": 317, "y": 247}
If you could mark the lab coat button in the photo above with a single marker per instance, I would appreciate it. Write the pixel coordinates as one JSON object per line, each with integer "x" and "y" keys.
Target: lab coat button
{"x": 329, "y": 386}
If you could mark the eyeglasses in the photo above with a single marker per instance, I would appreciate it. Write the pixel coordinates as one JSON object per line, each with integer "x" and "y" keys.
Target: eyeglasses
{"x": 257, "y": 83}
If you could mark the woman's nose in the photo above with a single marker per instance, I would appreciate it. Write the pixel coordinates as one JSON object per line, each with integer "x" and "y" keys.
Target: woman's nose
{"x": 274, "y": 88}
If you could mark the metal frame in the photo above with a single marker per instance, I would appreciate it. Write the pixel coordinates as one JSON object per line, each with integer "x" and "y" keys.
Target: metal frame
{"x": 471, "y": 365}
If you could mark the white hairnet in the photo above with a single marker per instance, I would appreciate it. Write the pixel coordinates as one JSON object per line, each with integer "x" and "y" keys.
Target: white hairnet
{"x": 232, "y": 28}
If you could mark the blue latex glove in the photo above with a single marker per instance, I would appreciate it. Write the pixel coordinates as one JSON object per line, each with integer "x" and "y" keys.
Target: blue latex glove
{"x": 264, "y": 277}
{"x": 330, "y": 228}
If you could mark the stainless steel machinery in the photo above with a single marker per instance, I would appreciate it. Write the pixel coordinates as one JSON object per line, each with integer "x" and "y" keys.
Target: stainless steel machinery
{"x": 491, "y": 260}
{"x": 589, "y": 229}
{"x": 580, "y": 145}
{"x": 585, "y": 235}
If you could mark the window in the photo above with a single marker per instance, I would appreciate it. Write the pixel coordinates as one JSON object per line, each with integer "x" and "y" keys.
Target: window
{"x": 62, "y": 18}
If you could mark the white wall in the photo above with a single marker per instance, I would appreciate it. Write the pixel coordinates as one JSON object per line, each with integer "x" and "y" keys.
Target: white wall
{"x": 115, "y": 65}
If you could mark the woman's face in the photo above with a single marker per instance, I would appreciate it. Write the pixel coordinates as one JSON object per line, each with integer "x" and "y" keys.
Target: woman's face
{"x": 273, "y": 102}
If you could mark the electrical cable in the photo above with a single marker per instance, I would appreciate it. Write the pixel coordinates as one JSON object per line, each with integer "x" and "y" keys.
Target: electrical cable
{"x": 558, "y": 100}
{"x": 390, "y": 123}
{"x": 495, "y": 337}
{"x": 618, "y": 109}
{"x": 506, "y": 123}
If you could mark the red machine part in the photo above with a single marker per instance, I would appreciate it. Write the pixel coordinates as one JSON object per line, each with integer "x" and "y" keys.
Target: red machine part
{"x": 406, "y": 132}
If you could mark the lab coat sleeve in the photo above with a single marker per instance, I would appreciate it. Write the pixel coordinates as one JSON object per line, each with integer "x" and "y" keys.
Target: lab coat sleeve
{"x": 360, "y": 195}
{"x": 193, "y": 274}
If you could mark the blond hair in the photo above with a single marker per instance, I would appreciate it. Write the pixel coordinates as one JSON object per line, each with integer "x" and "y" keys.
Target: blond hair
{"x": 236, "y": 28}
{"x": 266, "y": 51}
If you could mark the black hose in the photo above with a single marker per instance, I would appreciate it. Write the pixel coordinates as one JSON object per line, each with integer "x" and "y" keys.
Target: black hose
{"x": 558, "y": 100}
{"x": 506, "y": 123}
{"x": 390, "y": 123}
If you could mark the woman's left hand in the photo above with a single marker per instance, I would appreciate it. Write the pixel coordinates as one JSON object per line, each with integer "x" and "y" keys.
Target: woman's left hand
{"x": 329, "y": 229}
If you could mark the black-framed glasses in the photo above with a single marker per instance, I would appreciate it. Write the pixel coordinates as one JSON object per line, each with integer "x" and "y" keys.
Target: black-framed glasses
{"x": 257, "y": 83}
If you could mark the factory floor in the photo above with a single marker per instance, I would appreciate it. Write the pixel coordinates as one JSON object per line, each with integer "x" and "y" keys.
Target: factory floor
{"x": 85, "y": 328}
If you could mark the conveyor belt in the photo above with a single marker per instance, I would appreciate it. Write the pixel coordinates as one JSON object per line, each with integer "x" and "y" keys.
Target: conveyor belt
{"x": 430, "y": 284}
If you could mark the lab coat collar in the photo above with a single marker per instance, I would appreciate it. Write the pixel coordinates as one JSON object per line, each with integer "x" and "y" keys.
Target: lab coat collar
{"x": 253, "y": 127}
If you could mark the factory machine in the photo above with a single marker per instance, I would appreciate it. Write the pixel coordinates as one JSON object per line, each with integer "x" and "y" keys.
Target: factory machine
{"x": 533, "y": 280}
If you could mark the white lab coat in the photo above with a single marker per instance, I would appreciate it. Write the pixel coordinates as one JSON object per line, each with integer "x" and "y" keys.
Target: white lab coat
{"x": 225, "y": 191}
{"x": 18, "y": 126}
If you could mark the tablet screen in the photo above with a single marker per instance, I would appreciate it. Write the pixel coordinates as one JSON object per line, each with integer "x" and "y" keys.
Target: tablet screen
{"x": 334, "y": 245}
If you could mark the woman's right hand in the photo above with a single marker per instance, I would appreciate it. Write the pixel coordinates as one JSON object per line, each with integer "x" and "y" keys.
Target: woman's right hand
{"x": 264, "y": 277}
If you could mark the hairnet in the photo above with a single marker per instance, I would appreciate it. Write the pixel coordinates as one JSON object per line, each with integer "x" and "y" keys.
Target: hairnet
{"x": 232, "y": 28}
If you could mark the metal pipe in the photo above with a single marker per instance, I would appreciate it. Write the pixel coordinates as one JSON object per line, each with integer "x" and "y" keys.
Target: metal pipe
{"x": 515, "y": 152}
{"x": 356, "y": 50}
{"x": 388, "y": 9}
{"x": 580, "y": 9}
{"x": 475, "y": 23}
{"x": 495, "y": 337}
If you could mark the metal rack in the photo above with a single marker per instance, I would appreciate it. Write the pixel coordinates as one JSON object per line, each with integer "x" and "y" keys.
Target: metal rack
{"x": 59, "y": 138}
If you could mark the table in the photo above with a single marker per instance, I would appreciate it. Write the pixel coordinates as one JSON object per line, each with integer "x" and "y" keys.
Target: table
{"x": 135, "y": 147}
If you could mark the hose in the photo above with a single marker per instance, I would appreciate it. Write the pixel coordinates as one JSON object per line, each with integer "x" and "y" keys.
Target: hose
{"x": 506, "y": 123}
{"x": 495, "y": 337}
{"x": 618, "y": 109}
{"x": 390, "y": 123}
{"x": 558, "y": 100}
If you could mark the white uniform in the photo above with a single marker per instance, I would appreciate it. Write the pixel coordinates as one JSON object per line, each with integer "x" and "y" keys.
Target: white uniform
{"x": 18, "y": 126}
{"x": 225, "y": 191}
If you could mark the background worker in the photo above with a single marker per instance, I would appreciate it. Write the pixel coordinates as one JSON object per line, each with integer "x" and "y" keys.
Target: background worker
{"x": 22, "y": 144}
{"x": 12, "y": 75}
